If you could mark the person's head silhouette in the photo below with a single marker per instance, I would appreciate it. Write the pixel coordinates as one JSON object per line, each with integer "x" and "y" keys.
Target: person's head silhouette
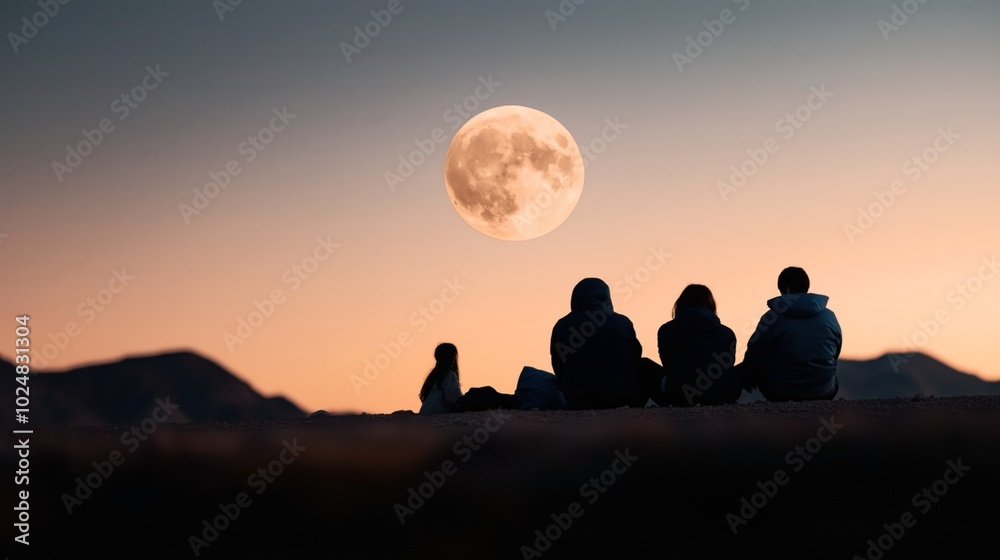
{"x": 446, "y": 355}
{"x": 694, "y": 295}
{"x": 793, "y": 280}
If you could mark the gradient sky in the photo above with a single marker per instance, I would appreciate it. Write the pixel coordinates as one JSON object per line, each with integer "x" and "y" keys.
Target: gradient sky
{"x": 654, "y": 188}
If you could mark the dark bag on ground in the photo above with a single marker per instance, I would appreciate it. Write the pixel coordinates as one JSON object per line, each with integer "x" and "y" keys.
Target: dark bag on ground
{"x": 537, "y": 389}
{"x": 485, "y": 398}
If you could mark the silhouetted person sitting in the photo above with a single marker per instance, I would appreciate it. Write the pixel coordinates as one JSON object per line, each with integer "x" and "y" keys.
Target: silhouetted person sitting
{"x": 441, "y": 390}
{"x": 697, "y": 352}
{"x": 595, "y": 352}
{"x": 792, "y": 356}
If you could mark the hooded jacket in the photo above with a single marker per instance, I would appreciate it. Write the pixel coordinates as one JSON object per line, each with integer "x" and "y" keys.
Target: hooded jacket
{"x": 796, "y": 344}
{"x": 697, "y": 352}
{"x": 595, "y": 351}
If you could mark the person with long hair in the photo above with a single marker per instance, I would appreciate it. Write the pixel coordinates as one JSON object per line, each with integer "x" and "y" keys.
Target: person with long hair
{"x": 697, "y": 352}
{"x": 441, "y": 390}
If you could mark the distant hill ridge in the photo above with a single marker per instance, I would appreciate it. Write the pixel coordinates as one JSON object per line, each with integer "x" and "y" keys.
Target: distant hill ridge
{"x": 905, "y": 375}
{"x": 126, "y": 391}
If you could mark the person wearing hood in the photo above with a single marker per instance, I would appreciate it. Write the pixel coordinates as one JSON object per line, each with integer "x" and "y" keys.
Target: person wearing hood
{"x": 793, "y": 353}
{"x": 697, "y": 352}
{"x": 595, "y": 352}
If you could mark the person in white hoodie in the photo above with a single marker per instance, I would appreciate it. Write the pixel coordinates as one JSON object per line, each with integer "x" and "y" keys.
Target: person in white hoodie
{"x": 793, "y": 354}
{"x": 441, "y": 389}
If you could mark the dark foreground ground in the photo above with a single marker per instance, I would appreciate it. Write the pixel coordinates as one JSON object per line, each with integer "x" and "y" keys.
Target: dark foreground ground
{"x": 917, "y": 477}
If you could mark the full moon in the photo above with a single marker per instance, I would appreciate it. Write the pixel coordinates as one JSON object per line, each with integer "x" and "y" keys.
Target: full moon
{"x": 513, "y": 173}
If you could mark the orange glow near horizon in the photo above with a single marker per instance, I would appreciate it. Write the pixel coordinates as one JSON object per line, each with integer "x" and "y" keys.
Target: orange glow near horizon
{"x": 355, "y": 306}
{"x": 883, "y": 188}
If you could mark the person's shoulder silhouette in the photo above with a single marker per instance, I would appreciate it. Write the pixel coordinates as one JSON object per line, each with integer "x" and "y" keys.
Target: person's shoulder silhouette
{"x": 595, "y": 351}
{"x": 794, "y": 351}
{"x": 697, "y": 352}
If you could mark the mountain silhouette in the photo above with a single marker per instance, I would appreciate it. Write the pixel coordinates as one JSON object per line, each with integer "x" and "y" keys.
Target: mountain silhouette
{"x": 906, "y": 375}
{"x": 127, "y": 391}
{"x": 896, "y": 375}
